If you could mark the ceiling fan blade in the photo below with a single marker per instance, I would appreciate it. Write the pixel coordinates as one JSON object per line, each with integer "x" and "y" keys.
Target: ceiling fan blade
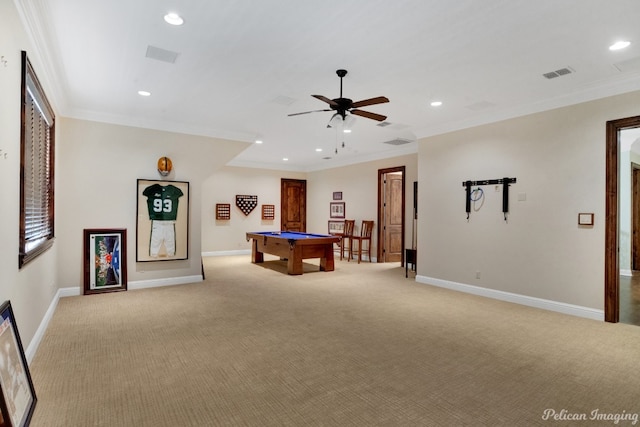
{"x": 307, "y": 112}
{"x": 371, "y": 101}
{"x": 325, "y": 99}
{"x": 368, "y": 115}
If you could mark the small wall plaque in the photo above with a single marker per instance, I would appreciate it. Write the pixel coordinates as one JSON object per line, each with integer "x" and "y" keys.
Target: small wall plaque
{"x": 268, "y": 212}
{"x": 223, "y": 211}
{"x": 585, "y": 219}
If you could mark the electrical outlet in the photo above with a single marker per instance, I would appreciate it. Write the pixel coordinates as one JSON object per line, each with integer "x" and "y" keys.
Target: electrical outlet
{"x": 477, "y": 274}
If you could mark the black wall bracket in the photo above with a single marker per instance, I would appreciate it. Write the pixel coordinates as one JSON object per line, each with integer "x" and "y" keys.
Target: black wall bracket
{"x": 505, "y": 192}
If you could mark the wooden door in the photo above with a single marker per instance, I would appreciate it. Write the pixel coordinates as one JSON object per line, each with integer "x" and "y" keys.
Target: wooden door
{"x": 391, "y": 215}
{"x": 293, "y": 214}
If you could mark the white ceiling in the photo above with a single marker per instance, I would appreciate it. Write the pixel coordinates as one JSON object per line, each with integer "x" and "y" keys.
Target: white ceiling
{"x": 243, "y": 66}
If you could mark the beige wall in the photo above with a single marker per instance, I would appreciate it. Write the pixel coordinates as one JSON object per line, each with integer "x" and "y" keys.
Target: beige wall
{"x": 359, "y": 186}
{"x": 31, "y": 289}
{"x": 96, "y": 188}
{"x": 222, "y": 187}
{"x": 558, "y": 158}
{"x": 358, "y": 183}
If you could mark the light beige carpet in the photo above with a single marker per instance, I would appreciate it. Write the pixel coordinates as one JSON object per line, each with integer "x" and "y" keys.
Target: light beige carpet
{"x": 360, "y": 346}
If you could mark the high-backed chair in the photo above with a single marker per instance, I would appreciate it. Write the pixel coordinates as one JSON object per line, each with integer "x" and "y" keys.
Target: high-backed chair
{"x": 365, "y": 237}
{"x": 347, "y": 234}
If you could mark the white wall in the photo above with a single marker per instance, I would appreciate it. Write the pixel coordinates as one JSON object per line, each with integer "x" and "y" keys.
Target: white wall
{"x": 558, "y": 158}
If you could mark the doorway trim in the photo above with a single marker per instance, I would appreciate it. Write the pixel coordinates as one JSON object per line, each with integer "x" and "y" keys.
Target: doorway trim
{"x": 611, "y": 260}
{"x": 381, "y": 175}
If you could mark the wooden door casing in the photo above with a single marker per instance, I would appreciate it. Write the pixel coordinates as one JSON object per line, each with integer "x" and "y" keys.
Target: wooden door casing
{"x": 611, "y": 261}
{"x": 293, "y": 212}
{"x": 635, "y": 217}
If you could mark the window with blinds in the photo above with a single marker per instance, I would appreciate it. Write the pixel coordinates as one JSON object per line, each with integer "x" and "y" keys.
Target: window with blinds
{"x": 36, "y": 168}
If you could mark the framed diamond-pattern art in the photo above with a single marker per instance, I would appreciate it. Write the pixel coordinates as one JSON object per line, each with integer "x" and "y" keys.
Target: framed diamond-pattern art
{"x": 246, "y": 203}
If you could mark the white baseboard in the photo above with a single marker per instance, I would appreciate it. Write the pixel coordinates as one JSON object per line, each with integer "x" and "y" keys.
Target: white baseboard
{"x": 227, "y": 253}
{"x": 75, "y": 291}
{"x": 560, "y": 307}
{"x": 30, "y": 351}
{"x": 624, "y": 272}
{"x": 156, "y": 283}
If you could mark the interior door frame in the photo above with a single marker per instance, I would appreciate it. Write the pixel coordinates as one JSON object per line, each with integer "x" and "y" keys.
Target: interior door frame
{"x": 635, "y": 216}
{"x": 611, "y": 256}
{"x": 381, "y": 173}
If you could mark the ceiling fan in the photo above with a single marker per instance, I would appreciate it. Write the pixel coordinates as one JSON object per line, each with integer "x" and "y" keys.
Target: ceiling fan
{"x": 342, "y": 106}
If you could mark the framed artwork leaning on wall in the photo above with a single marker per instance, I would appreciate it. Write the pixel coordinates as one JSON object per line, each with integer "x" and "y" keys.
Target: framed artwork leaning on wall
{"x": 15, "y": 379}
{"x": 162, "y": 227}
{"x": 105, "y": 260}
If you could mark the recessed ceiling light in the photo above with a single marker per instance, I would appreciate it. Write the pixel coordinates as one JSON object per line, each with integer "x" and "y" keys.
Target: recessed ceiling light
{"x": 173, "y": 19}
{"x": 144, "y": 93}
{"x": 318, "y": 149}
{"x": 285, "y": 159}
{"x": 258, "y": 141}
{"x": 619, "y": 45}
{"x": 436, "y": 103}
{"x": 347, "y": 131}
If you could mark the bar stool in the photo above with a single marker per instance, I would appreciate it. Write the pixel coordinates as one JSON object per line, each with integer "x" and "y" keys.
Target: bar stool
{"x": 365, "y": 236}
{"x": 347, "y": 234}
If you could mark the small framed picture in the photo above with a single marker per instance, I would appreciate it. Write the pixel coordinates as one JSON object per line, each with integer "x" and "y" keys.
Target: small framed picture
{"x": 336, "y": 210}
{"x": 337, "y": 195}
{"x": 15, "y": 379}
{"x": 105, "y": 260}
{"x": 585, "y": 219}
{"x": 336, "y": 227}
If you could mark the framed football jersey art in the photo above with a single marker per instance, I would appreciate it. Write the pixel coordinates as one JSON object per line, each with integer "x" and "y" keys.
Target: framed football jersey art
{"x": 162, "y": 227}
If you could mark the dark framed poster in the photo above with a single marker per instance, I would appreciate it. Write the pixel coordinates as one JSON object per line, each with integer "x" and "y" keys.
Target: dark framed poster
{"x": 162, "y": 227}
{"x": 15, "y": 378}
{"x": 105, "y": 260}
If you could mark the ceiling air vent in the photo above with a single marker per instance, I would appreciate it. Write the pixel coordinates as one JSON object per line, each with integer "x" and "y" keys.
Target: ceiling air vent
{"x": 161, "y": 54}
{"x": 558, "y": 73}
{"x": 632, "y": 64}
{"x": 397, "y": 141}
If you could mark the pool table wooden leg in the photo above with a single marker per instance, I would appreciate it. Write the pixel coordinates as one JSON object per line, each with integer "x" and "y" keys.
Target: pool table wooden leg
{"x": 294, "y": 262}
{"x": 327, "y": 262}
{"x": 256, "y": 255}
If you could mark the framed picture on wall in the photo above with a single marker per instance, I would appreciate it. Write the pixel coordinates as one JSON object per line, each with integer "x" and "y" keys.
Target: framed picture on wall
{"x": 336, "y": 227}
{"x": 15, "y": 379}
{"x": 105, "y": 260}
{"x": 336, "y": 210}
{"x": 162, "y": 228}
{"x": 337, "y": 195}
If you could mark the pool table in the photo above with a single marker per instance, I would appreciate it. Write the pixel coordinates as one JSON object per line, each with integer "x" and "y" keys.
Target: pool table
{"x": 294, "y": 247}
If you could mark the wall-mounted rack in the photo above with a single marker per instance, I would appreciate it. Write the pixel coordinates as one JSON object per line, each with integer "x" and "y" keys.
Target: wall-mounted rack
{"x": 505, "y": 192}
